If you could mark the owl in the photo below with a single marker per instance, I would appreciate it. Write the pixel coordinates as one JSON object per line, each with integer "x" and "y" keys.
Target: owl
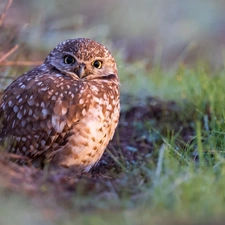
{"x": 65, "y": 111}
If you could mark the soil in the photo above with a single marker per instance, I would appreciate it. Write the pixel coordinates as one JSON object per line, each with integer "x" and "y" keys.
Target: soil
{"x": 134, "y": 144}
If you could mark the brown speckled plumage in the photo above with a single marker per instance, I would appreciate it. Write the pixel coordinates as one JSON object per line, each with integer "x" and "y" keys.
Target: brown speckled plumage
{"x": 62, "y": 113}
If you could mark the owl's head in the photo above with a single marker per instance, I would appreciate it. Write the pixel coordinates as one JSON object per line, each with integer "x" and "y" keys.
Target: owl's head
{"x": 83, "y": 58}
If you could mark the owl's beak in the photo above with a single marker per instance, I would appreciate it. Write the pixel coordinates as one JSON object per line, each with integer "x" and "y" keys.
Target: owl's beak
{"x": 80, "y": 70}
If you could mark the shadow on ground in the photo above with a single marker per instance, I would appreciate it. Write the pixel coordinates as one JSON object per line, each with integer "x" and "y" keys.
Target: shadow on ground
{"x": 135, "y": 143}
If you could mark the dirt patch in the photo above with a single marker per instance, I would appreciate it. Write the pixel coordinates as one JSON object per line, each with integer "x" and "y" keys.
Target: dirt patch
{"x": 133, "y": 144}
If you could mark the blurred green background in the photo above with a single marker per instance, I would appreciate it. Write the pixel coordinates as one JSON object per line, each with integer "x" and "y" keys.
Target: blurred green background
{"x": 144, "y": 36}
{"x": 159, "y": 31}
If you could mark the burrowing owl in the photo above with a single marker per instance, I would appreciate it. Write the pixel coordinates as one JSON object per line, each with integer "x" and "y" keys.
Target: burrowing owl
{"x": 64, "y": 111}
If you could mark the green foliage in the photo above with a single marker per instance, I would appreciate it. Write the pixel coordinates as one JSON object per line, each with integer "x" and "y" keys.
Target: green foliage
{"x": 180, "y": 181}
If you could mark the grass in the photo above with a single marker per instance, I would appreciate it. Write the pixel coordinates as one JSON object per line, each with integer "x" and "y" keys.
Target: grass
{"x": 178, "y": 182}
{"x": 182, "y": 186}
{"x": 165, "y": 164}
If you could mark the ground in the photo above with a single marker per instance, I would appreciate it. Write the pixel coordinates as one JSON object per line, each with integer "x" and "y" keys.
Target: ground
{"x": 165, "y": 164}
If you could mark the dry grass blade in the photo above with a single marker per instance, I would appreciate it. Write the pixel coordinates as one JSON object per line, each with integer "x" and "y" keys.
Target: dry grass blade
{"x": 8, "y": 155}
{"x": 10, "y": 169}
{"x": 21, "y": 63}
{"x": 160, "y": 160}
{"x": 116, "y": 160}
{"x": 9, "y": 53}
{"x": 4, "y": 11}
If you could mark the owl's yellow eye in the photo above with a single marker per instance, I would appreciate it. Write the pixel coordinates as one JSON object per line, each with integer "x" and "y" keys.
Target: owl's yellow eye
{"x": 97, "y": 64}
{"x": 69, "y": 59}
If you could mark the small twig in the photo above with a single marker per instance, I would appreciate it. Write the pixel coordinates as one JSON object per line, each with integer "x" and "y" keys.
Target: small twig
{"x": 160, "y": 160}
{"x": 21, "y": 63}
{"x": 116, "y": 160}
{"x": 9, "y": 53}
{"x": 174, "y": 149}
{"x": 4, "y": 11}
{"x": 13, "y": 156}
{"x": 7, "y": 78}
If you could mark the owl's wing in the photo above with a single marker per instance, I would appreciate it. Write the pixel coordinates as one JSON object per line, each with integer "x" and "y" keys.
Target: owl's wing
{"x": 38, "y": 112}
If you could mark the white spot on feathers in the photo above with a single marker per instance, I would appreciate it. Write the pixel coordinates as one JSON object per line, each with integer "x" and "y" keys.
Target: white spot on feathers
{"x": 109, "y": 107}
{"x": 64, "y": 110}
{"x": 15, "y": 109}
{"x": 10, "y": 103}
{"x": 24, "y": 139}
{"x": 42, "y": 104}
{"x": 20, "y": 100}
{"x": 81, "y": 101}
{"x": 43, "y": 143}
{"x": 44, "y": 112}
{"x": 30, "y": 112}
{"x": 19, "y": 115}
{"x": 57, "y": 124}
{"x": 83, "y": 112}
